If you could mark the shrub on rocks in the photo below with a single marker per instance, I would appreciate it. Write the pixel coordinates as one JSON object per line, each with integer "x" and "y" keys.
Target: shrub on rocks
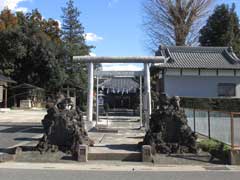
{"x": 169, "y": 131}
{"x": 64, "y": 128}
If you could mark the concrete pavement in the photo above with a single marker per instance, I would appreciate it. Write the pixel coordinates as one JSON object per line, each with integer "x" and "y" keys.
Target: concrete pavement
{"x": 20, "y": 127}
{"x": 117, "y": 166}
{"x": 24, "y": 171}
{"x": 23, "y": 127}
{"x": 13, "y": 135}
{"x": 22, "y": 116}
{"x": 127, "y": 133}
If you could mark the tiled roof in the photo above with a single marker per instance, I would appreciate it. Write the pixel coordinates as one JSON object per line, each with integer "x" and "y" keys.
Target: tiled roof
{"x": 6, "y": 79}
{"x": 198, "y": 57}
{"x": 119, "y": 83}
{"x": 27, "y": 86}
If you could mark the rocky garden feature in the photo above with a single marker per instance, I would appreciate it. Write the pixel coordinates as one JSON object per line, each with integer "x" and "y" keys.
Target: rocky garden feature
{"x": 64, "y": 129}
{"x": 169, "y": 131}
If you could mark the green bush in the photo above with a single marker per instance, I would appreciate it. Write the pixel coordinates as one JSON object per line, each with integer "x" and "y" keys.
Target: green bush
{"x": 217, "y": 149}
{"x": 220, "y": 104}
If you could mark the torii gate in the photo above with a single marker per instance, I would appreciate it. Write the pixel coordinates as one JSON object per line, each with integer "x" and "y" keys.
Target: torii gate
{"x": 147, "y": 85}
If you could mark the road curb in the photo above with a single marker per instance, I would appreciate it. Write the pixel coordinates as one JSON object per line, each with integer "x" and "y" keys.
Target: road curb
{"x": 115, "y": 167}
{"x": 10, "y": 154}
{"x": 5, "y": 157}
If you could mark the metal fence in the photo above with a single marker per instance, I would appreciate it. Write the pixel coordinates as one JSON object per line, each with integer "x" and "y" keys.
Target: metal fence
{"x": 222, "y": 126}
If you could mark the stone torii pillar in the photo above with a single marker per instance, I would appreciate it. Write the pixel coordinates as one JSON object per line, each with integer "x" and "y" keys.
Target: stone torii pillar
{"x": 147, "y": 95}
{"x": 90, "y": 92}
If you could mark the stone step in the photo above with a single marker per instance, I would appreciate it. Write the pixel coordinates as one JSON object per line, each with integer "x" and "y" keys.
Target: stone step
{"x": 114, "y": 156}
{"x": 119, "y": 152}
{"x": 103, "y": 129}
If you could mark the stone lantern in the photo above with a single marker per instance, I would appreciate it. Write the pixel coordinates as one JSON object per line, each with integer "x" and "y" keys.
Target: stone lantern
{"x": 101, "y": 102}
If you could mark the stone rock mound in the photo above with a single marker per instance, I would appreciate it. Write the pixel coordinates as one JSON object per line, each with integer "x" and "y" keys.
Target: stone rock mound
{"x": 169, "y": 131}
{"x": 63, "y": 128}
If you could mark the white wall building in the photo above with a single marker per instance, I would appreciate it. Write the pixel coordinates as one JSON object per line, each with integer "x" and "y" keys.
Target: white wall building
{"x": 199, "y": 72}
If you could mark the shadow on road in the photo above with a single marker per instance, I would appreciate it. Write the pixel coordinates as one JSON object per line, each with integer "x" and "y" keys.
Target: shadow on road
{"x": 22, "y": 129}
{"x": 127, "y": 147}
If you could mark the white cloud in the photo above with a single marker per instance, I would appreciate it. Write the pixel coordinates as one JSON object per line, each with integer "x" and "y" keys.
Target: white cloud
{"x": 92, "y": 54}
{"x": 59, "y": 23}
{"x": 91, "y": 37}
{"x": 23, "y": 9}
{"x": 112, "y": 2}
{"x": 13, "y": 5}
{"x": 121, "y": 67}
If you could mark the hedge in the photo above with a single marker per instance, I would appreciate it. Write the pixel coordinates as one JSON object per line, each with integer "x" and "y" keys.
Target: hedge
{"x": 220, "y": 104}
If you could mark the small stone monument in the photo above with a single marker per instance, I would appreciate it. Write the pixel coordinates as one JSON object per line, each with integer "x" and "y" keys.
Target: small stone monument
{"x": 147, "y": 153}
{"x": 82, "y": 153}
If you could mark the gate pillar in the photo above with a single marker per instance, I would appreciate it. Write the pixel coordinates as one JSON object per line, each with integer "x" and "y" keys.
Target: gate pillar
{"x": 90, "y": 92}
{"x": 147, "y": 95}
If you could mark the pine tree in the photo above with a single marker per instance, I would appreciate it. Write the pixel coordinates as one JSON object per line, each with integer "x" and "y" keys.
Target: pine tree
{"x": 73, "y": 31}
{"x": 222, "y": 29}
{"x": 74, "y": 40}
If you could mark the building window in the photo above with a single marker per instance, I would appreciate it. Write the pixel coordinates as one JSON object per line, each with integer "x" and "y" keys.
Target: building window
{"x": 226, "y": 89}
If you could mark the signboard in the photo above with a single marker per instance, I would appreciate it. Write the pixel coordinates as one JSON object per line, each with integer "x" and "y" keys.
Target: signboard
{"x": 1, "y": 94}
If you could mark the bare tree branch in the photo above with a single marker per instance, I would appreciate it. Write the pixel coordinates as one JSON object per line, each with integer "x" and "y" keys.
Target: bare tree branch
{"x": 173, "y": 22}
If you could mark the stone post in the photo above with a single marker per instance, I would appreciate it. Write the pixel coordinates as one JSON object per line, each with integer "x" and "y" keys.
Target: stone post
{"x": 82, "y": 153}
{"x": 235, "y": 157}
{"x": 147, "y": 153}
{"x": 97, "y": 102}
{"x": 147, "y": 95}
{"x": 6, "y": 98}
{"x": 90, "y": 92}
{"x": 141, "y": 102}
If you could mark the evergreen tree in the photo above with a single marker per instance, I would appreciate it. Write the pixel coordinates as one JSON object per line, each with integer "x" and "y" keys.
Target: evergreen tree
{"x": 31, "y": 49}
{"x": 7, "y": 19}
{"x": 40, "y": 65}
{"x": 74, "y": 40}
{"x": 222, "y": 29}
{"x": 73, "y": 31}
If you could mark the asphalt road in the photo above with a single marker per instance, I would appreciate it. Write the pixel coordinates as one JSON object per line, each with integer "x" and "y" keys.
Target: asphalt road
{"x": 6, "y": 174}
{"x": 19, "y": 127}
{"x": 17, "y": 134}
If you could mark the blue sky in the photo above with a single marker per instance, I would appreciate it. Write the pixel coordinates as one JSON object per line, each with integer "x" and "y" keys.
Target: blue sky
{"x": 113, "y": 26}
